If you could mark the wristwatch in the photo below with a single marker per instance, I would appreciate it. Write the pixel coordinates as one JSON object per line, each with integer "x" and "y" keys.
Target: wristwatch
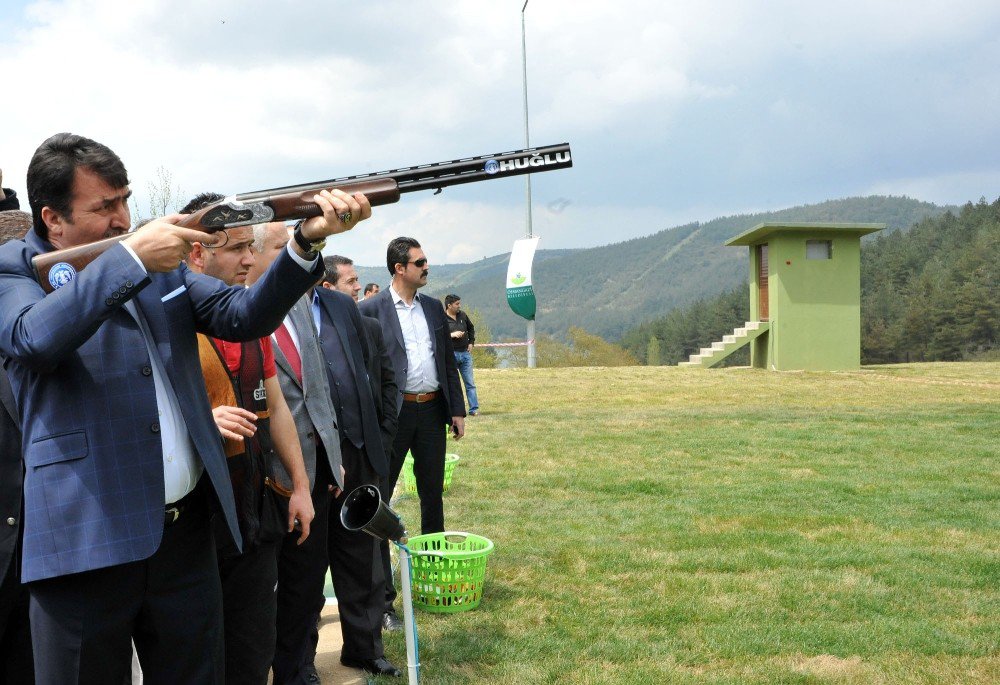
{"x": 311, "y": 248}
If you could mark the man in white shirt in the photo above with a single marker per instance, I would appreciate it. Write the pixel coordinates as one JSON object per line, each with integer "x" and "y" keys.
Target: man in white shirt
{"x": 416, "y": 335}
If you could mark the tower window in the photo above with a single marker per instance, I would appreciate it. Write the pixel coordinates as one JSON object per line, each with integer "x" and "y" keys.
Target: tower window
{"x": 819, "y": 249}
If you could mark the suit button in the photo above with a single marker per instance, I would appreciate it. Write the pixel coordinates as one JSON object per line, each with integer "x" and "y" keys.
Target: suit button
{"x": 116, "y": 296}
{"x": 12, "y": 521}
{"x": 129, "y": 284}
{"x": 147, "y": 371}
{"x": 123, "y": 290}
{"x": 109, "y": 302}
{"x": 155, "y": 428}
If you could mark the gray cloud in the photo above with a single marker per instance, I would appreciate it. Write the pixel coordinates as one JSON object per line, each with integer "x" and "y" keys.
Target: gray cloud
{"x": 676, "y": 111}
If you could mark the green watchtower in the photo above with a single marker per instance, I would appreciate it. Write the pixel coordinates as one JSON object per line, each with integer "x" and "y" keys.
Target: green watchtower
{"x": 805, "y": 283}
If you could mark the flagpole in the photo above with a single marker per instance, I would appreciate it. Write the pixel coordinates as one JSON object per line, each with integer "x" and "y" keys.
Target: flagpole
{"x": 527, "y": 177}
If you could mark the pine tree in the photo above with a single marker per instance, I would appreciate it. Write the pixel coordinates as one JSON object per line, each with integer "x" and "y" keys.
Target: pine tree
{"x": 653, "y": 351}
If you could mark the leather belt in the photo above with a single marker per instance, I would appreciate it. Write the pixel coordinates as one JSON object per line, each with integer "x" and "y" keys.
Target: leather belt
{"x": 420, "y": 396}
{"x": 188, "y": 503}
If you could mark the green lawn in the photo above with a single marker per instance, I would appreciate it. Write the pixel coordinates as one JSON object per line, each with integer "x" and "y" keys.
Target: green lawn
{"x": 660, "y": 525}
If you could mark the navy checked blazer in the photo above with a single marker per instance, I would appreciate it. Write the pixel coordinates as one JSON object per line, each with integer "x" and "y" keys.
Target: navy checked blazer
{"x": 80, "y": 370}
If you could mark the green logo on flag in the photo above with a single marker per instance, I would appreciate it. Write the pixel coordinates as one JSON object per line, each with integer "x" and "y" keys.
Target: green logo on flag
{"x": 522, "y": 301}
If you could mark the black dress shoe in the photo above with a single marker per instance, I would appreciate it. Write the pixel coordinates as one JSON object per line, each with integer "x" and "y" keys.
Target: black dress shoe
{"x": 391, "y": 622}
{"x": 309, "y": 674}
{"x": 380, "y": 666}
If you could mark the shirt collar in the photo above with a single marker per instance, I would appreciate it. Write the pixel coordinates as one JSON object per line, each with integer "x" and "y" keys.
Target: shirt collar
{"x": 397, "y": 298}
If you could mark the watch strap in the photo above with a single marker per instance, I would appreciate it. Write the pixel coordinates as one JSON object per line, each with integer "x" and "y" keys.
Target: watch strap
{"x": 310, "y": 248}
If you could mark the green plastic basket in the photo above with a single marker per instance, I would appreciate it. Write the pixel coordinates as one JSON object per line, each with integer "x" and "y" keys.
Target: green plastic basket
{"x": 451, "y": 580}
{"x": 410, "y": 481}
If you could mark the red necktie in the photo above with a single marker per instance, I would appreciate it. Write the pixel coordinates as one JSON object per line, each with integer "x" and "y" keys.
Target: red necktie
{"x": 288, "y": 349}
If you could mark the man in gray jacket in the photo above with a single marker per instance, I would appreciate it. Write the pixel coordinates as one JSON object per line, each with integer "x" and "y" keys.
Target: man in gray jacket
{"x": 302, "y": 375}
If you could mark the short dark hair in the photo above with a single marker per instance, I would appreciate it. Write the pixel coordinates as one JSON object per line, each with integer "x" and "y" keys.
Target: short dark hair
{"x": 53, "y": 168}
{"x": 200, "y": 201}
{"x": 13, "y": 225}
{"x": 398, "y": 252}
{"x": 331, "y": 263}
{"x": 370, "y": 287}
{"x": 451, "y": 299}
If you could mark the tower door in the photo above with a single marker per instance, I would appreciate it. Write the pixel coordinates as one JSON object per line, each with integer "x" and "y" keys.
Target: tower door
{"x": 762, "y": 308}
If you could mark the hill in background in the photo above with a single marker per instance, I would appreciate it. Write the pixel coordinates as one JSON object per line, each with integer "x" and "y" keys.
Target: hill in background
{"x": 610, "y": 289}
{"x": 929, "y": 293}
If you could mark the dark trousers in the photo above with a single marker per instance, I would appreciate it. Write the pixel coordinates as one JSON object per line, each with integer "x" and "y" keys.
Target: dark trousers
{"x": 301, "y": 577}
{"x": 16, "y": 667}
{"x": 422, "y": 432}
{"x": 170, "y": 604}
{"x": 356, "y": 570}
{"x": 249, "y": 606}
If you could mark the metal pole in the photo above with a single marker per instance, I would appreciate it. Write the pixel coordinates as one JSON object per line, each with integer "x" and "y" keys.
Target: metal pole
{"x": 527, "y": 178}
{"x": 409, "y": 625}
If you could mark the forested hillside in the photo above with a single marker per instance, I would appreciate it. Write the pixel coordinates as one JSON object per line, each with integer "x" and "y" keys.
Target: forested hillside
{"x": 608, "y": 290}
{"x": 931, "y": 293}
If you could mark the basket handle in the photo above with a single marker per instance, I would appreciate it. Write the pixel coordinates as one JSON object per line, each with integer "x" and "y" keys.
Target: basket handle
{"x": 454, "y": 537}
{"x": 440, "y": 555}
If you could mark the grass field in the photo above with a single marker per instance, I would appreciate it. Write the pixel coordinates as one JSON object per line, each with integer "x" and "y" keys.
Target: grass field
{"x": 659, "y": 525}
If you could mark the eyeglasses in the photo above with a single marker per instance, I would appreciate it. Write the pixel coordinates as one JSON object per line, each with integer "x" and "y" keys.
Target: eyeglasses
{"x": 419, "y": 263}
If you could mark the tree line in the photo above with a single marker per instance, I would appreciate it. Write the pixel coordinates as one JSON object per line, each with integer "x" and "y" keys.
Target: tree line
{"x": 685, "y": 330}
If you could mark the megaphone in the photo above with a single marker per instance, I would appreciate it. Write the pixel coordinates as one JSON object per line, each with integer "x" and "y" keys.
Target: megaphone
{"x": 364, "y": 510}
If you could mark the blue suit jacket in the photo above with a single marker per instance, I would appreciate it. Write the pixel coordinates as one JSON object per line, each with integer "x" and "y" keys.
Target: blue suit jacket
{"x": 382, "y": 379}
{"x": 343, "y": 312}
{"x": 381, "y": 307}
{"x": 80, "y": 370}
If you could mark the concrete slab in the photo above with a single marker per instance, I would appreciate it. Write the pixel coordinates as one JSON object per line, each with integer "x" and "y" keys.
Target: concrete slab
{"x": 331, "y": 671}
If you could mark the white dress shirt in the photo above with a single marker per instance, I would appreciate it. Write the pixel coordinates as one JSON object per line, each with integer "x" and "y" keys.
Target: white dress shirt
{"x": 421, "y": 374}
{"x": 181, "y": 466}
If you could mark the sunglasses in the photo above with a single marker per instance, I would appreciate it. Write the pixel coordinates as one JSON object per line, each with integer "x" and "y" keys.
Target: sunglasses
{"x": 419, "y": 263}
{"x": 223, "y": 239}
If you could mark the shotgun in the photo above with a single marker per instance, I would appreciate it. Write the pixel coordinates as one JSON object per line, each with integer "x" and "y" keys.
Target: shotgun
{"x": 295, "y": 202}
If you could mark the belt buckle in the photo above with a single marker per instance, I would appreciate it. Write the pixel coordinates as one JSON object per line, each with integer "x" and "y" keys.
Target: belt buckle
{"x": 175, "y": 511}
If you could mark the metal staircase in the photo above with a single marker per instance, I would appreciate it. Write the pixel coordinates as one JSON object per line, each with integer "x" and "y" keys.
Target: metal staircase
{"x": 710, "y": 356}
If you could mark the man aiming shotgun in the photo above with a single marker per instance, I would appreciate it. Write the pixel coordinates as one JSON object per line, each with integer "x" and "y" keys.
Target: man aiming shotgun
{"x": 123, "y": 462}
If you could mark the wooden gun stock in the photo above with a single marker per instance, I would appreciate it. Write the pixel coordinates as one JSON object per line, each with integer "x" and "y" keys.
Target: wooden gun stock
{"x": 295, "y": 202}
{"x": 219, "y": 217}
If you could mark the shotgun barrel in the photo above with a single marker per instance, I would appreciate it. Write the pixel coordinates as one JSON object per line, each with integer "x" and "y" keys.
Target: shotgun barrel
{"x": 295, "y": 202}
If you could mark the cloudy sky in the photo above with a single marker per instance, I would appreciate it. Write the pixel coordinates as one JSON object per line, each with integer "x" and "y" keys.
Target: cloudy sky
{"x": 676, "y": 111}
